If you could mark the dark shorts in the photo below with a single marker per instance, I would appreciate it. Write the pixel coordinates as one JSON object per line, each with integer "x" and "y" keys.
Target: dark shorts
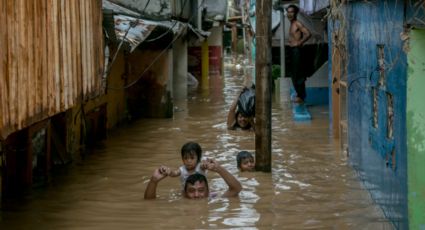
{"x": 296, "y": 71}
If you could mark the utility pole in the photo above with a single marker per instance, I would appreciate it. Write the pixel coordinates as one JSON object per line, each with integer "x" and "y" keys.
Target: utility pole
{"x": 263, "y": 80}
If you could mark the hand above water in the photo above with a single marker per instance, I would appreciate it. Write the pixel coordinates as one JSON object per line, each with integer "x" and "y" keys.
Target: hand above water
{"x": 210, "y": 164}
{"x": 160, "y": 173}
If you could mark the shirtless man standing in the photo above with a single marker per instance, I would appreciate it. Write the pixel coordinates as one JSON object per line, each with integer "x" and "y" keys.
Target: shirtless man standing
{"x": 298, "y": 35}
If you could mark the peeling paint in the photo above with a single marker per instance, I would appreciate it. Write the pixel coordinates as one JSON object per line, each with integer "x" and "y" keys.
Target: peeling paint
{"x": 415, "y": 120}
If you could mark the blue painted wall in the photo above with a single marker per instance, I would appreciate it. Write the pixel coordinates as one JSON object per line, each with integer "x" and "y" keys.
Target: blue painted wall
{"x": 367, "y": 25}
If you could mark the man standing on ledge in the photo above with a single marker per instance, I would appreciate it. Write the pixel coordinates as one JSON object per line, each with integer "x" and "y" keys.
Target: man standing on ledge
{"x": 298, "y": 35}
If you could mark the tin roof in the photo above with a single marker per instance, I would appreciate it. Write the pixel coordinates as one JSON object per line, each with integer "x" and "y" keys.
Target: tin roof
{"x": 158, "y": 10}
{"x": 130, "y": 27}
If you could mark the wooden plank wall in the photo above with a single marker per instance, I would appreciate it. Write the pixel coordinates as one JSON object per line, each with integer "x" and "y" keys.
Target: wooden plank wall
{"x": 51, "y": 58}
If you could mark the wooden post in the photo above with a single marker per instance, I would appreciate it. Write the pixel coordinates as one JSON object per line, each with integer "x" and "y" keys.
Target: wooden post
{"x": 205, "y": 64}
{"x": 234, "y": 39}
{"x": 263, "y": 87}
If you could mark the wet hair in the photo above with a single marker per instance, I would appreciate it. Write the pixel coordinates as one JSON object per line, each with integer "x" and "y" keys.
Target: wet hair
{"x": 191, "y": 148}
{"x": 192, "y": 179}
{"x": 296, "y": 9}
{"x": 242, "y": 155}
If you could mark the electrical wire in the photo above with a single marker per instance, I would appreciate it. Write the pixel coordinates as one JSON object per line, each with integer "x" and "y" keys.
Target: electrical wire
{"x": 162, "y": 35}
{"x": 132, "y": 24}
{"x": 146, "y": 6}
{"x": 377, "y": 69}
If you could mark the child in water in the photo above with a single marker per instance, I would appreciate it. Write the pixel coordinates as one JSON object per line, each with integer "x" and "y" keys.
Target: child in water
{"x": 245, "y": 161}
{"x": 191, "y": 154}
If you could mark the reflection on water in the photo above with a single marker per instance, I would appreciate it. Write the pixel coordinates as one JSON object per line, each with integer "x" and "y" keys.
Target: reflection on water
{"x": 311, "y": 185}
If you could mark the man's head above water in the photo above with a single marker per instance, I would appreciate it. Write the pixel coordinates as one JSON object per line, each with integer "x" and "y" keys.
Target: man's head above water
{"x": 196, "y": 186}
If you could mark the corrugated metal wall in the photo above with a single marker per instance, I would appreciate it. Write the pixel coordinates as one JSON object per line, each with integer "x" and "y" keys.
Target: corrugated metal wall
{"x": 51, "y": 58}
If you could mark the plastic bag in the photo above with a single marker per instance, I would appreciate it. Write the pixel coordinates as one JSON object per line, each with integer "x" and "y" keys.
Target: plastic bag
{"x": 246, "y": 102}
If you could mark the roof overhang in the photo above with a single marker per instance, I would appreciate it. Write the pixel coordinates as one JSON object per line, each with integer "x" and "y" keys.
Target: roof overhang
{"x": 130, "y": 27}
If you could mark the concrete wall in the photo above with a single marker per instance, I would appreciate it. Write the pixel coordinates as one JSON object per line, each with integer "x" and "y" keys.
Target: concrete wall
{"x": 385, "y": 77}
{"x": 415, "y": 119}
{"x": 116, "y": 110}
{"x": 215, "y": 54}
{"x": 379, "y": 158}
{"x": 150, "y": 72}
{"x": 180, "y": 69}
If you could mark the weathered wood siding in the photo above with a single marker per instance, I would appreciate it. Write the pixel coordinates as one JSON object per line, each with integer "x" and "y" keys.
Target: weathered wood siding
{"x": 51, "y": 58}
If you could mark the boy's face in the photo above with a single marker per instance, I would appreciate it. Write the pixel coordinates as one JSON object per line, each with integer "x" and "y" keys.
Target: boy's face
{"x": 242, "y": 121}
{"x": 247, "y": 164}
{"x": 190, "y": 160}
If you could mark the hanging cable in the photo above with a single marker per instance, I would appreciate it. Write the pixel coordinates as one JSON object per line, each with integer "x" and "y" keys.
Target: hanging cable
{"x": 132, "y": 24}
{"x": 146, "y": 6}
{"x": 163, "y": 34}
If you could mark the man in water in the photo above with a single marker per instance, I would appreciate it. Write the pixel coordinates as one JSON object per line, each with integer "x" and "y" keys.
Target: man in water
{"x": 196, "y": 185}
{"x": 298, "y": 35}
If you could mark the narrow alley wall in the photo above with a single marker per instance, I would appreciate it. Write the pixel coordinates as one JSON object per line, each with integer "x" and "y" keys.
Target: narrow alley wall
{"x": 379, "y": 49}
{"x": 52, "y": 59}
{"x": 416, "y": 129}
{"x": 374, "y": 67}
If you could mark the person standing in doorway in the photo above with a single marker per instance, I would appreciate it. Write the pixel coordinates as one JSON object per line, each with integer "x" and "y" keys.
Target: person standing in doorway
{"x": 298, "y": 35}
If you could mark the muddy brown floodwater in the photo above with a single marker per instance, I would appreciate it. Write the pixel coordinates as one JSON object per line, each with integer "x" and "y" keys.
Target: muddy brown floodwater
{"x": 311, "y": 185}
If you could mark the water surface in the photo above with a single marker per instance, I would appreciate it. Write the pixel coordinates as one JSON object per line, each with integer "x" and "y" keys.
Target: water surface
{"x": 311, "y": 186}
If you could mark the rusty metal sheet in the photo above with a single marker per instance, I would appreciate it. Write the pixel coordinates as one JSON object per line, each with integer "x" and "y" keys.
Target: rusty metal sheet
{"x": 136, "y": 30}
{"x": 132, "y": 28}
{"x": 50, "y": 61}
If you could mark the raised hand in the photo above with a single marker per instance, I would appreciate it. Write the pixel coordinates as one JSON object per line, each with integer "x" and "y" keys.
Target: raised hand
{"x": 160, "y": 173}
{"x": 211, "y": 164}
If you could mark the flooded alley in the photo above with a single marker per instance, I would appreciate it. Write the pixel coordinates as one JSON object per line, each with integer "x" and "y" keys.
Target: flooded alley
{"x": 311, "y": 185}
